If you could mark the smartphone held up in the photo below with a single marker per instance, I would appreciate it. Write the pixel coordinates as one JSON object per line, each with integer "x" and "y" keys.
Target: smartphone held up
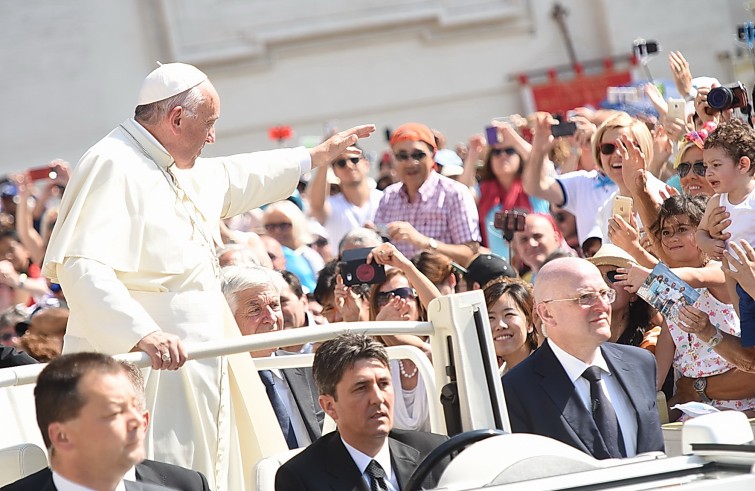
{"x": 356, "y": 271}
{"x": 41, "y": 173}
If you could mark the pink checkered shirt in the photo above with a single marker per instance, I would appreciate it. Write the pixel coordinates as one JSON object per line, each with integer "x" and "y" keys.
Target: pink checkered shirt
{"x": 444, "y": 211}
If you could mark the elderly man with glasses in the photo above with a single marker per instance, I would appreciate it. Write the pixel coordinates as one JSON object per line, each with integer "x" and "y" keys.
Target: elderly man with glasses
{"x": 596, "y": 396}
{"x": 424, "y": 210}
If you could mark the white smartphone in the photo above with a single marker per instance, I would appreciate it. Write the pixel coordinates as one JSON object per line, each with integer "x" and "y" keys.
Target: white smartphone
{"x": 622, "y": 206}
{"x": 676, "y": 109}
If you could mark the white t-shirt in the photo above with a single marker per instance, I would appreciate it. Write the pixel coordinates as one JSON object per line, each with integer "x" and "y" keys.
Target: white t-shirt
{"x": 584, "y": 194}
{"x": 742, "y": 218}
{"x": 345, "y": 217}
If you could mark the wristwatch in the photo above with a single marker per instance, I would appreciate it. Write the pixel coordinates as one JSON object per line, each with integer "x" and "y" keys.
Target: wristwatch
{"x": 700, "y": 385}
{"x": 432, "y": 243}
{"x": 716, "y": 339}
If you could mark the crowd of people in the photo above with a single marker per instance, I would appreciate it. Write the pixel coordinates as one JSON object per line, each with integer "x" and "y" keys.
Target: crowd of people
{"x": 147, "y": 246}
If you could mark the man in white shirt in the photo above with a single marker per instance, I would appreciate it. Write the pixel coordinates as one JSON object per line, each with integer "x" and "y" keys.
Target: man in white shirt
{"x": 91, "y": 420}
{"x": 596, "y": 396}
{"x": 352, "y": 375}
{"x": 254, "y": 296}
{"x": 133, "y": 249}
{"x": 354, "y": 206}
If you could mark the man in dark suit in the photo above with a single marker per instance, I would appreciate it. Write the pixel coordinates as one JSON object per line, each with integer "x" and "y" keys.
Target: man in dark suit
{"x": 91, "y": 423}
{"x": 254, "y": 296}
{"x": 596, "y": 396}
{"x": 148, "y": 472}
{"x": 352, "y": 375}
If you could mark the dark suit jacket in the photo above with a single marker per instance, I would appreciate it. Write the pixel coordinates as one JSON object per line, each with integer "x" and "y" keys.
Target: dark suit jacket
{"x": 302, "y": 384}
{"x": 171, "y": 476}
{"x": 327, "y": 465}
{"x": 9, "y": 357}
{"x": 151, "y": 476}
{"x": 542, "y": 400}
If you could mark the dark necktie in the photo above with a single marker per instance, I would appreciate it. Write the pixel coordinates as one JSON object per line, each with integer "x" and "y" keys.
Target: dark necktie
{"x": 377, "y": 476}
{"x": 604, "y": 415}
{"x": 284, "y": 420}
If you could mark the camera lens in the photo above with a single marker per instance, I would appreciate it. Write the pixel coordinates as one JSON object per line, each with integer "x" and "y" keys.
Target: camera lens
{"x": 720, "y": 98}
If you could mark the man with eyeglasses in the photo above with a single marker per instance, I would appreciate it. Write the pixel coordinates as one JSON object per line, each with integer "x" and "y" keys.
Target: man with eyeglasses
{"x": 354, "y": 206}
{"x": 424, "y": 210}
{"x": 596, "y": 396}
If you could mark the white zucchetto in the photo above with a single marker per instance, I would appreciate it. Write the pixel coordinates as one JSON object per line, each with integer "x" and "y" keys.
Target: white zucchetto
{"x": 168, "y": 80}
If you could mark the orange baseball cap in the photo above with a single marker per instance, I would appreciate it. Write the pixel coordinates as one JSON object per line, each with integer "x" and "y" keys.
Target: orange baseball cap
{"x": 413, "y": 132}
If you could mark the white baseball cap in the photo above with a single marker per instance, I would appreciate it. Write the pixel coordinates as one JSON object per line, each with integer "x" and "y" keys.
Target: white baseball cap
{"x": 168, "y": 80}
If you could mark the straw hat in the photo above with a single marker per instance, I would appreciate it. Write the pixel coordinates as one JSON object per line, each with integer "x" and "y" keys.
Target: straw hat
{"x": 611, "y": 255}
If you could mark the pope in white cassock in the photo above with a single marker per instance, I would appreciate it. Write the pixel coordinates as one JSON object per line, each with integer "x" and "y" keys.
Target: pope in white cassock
{"x": 134, "y": 252}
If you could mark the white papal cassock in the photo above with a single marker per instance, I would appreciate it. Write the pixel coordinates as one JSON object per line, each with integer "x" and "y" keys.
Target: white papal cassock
{"x": 133, "y": 249}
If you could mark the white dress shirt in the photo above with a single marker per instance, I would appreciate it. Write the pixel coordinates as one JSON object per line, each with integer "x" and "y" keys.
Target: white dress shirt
{"x": 575, "y": 367}
{"x": 383, "y": 458}
{"x": 63, "y": 484}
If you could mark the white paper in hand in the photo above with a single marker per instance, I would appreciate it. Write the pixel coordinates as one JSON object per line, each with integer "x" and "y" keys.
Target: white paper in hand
{"x": 694, "y": 409}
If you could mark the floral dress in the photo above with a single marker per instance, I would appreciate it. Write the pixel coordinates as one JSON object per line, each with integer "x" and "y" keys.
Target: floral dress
{"x": 693, "y": 358}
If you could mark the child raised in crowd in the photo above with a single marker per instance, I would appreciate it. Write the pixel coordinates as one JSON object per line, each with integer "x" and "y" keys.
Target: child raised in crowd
{"x": 729, "y": 154}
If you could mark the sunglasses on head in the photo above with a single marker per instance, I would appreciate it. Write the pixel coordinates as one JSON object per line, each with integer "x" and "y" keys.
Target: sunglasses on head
{"x": 698, "y": 167}
{"x": 273, "y": 226}
{"x": 495, "y": 152}
{"x": 405, "y": 292}
{"x": 414, "y": 156}
{"x": 344, "y": 162}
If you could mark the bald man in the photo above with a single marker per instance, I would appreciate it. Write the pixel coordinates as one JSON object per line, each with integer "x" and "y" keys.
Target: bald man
{"x": 596, "y": 396}
{"x": 539, "y": 239}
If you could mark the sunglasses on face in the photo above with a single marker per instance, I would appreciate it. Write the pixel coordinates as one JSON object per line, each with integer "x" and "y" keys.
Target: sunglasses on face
{"x": 611, "y": 276}
{"x": 283, "y": 226}
{"x": 344, "y": 162}
{"x": 607, "y": 148}
{"x": 495, "y": 152}
{"x": 414, "y": 156}
{"x": 405, "y": 292}
{"x": 698, "y": 167}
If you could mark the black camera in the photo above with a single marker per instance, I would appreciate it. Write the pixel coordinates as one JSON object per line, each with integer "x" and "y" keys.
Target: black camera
{"x": 732, "y": 96}
{"x": 356, "y": 271}
{"x": 509, "y": 222}
{"x": 643, "y": 48}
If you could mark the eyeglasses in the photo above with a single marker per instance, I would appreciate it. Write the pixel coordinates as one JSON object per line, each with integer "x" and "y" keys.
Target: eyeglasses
{"x": 405, "y": 292}
{"x": 590, "y": 298}
{"x": 698, "y": 167}
{"x": 607, "y": 148}
{"x": 344, "y": 162}
{"x": 611, "y": 276}
{"x": 283, "y": 226}
{"x": 414, "y": 156}
{"x": 495, "y": 152}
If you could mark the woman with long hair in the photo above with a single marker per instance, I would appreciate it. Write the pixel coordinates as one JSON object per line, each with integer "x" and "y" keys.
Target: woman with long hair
{"x": 501, "y": 186}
